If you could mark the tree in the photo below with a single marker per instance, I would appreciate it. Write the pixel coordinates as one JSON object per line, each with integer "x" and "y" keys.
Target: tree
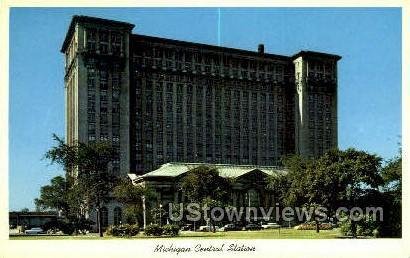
{"x": 86, "y": 166}
{"x": 338, "y": 178}
{"x": 278, "y": 186}
{"x": 303, "y": 189}
{"x": 358, "y": 175}
{"x": 60, "y": 196}
{"x": 204, "y": 185}
{"x": 295, "y": 180}
{"x": 132, "y": 198}
{"x": 392, "y": 196}
{"x": 25, "y": 210}
{"x": 54, "y": 195}
{"x": 392, "y": 177}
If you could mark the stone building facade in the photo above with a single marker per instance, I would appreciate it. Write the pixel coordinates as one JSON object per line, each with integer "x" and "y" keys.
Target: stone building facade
{"x": 159, "y": 100}
{"x": 248, "y": 185}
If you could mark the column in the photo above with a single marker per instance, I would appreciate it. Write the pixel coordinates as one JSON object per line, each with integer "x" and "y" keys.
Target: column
{"x": 154, "y": 123}
{"x": 184, "y": 117}
{"x": 194, "y": 149}
{"x": 174, "y": 121}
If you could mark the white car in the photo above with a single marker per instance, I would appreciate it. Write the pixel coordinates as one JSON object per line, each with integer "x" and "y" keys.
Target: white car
{"x": 270, "y": 225}
{"x": 34, "y": 231}
{"x": 208, "y": 228}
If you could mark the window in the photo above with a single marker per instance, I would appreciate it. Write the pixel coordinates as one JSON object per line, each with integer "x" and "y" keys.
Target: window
{"x": 91, "y": 117}
{"x": 116, "y": 43}
{"x": 117, "y": 216}
{"x": 115, "y": 95}
{"x": 103, "y": 137}
{"x": 91, "y": 78}
{"x": 115, "y": 79}
{"x": 91, "y": 39}
{"x": 104, "y": 216}
{"x": 103, "y": 42}
{"x": 91, "y": 128}
{"x": 103, "y": 80}
{"x": 103, "y": 116}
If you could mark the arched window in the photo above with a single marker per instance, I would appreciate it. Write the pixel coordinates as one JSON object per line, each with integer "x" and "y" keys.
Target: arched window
{"x": 252, "y": 198}
{"x": 117, "y": 215}
{"x": 104, "y": 216}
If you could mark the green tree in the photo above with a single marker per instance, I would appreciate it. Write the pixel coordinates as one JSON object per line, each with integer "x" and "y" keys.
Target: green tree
{"x": 132, "y": 198}
{"x": 278, "y": 185}
{"x": 54, "y": 196}
{"x": 392, "y": 197}
{"x": 303, "y": 188}
{"x": 359, "y": 175}
{"x": 60, "y": 196}
{"x": 25, "y": 210}
{"x": 392, "y": 177}
{"x": 296, "y": 167}
{"x": 86, "y": 166}
{"x": 338, "y": 178}
{"x": 203, "y": 185}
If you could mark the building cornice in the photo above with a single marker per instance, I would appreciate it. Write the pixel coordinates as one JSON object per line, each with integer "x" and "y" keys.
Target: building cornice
{"x": 213, "y": 48}
{"x": 321, "y": 55}
{"x": 87, "y": 19}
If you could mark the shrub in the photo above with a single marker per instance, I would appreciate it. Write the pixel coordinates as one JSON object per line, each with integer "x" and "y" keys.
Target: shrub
{"x": 312, "y": 226}
{"x": 110, "y": 231}
{"x": 59, "y": 225}
{"x": 153, "y": 230}
{"x": 53, "y": 225}
{"x": 364, "y": 227}
{"x": 132, "y": 229}
{"x": 122, "y": 230}
{"x": 345, "y": 227}
{"x": 170, "y": 230}
{"x": 69, "y": 229}
{"x": 82, "y": 225}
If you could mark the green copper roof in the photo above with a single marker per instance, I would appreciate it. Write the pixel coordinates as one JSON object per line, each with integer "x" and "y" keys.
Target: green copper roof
{"x": 225, "y": 170}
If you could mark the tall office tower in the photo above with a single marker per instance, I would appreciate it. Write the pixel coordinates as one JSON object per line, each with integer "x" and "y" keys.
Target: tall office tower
{"x": 160, "y": 100}
{"x": 97, "y": 84}
{"x": 316, "y": 103}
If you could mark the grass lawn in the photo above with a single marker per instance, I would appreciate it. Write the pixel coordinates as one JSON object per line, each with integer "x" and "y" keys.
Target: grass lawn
{"x": 262, "y": 234}
{"x": 267, "y": 234}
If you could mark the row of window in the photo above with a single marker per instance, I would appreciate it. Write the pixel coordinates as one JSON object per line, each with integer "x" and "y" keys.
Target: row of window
{"x": 170, "y": 106}
{"x": 320, "y": 124}
{"x": 206, "y": 144}
{"x": 103, "y": 41}
{"x": 212, "y": 64}
{"x": 186, "y": 82}
{"x": 106, "y": 104}
{"x": 117, "y": 216}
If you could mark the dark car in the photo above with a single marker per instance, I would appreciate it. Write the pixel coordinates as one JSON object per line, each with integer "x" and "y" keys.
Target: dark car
{"x": 187, "y": 227}
{"x": 253, "y": 227}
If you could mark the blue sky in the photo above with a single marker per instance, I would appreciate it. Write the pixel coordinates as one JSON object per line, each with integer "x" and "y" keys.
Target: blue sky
{"x": 369, "y": 40}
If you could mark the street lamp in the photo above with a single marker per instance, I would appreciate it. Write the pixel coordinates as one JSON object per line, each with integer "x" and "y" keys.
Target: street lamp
{"x": 143, "y": 211}
{"x": 160, "y": 214}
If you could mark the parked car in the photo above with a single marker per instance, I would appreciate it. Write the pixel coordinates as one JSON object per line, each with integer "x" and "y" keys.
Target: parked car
{"x": 187, "y": 227}
{"x": 270, "y": 225}
{"x": 230, "y": 227}
{"x": 253, "y": 227}
{"x": 34, "y": 231}
{"x": 208, "y": 228}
